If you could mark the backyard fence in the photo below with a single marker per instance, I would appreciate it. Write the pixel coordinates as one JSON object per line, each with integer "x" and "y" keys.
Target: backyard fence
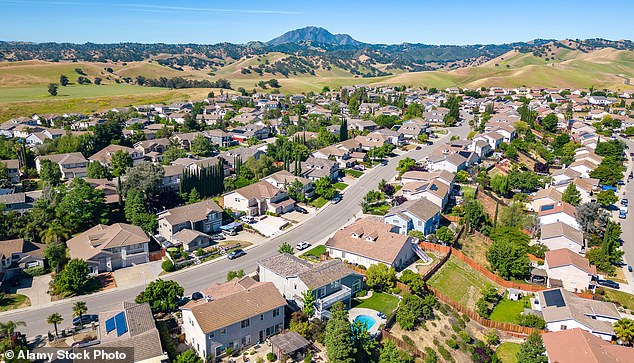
{"x": 474, "y": 265}
{"x": 512, "y": 329}
{"x": 385, "y": 334}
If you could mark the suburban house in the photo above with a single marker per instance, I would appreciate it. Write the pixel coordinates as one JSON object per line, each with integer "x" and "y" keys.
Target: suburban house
{"x": 104, "y": 156}
{"x": 338, "y": 154}
{"x": 370, "y": 242}
{"x": 131, "y": 325}
{"x": 569, "y": 270}
{"x": 317, "y": 168}
{"x": 558, "y": 212}
{"x": 330, "y": 281}
{"x": 17, "y": 254}
{"x": 411, "y": 129}
{"x": 235, "y": 315}
{"x": 204, "y": 216}
{"x": 258, "y": 198}
{"x": 19, "y": 202}
{"x": 419, "y": 214}
{"x": 107, "y": 248}
{"x": 560, "y": 235}
{"x": 563, "y": 310}
{"x": 191, "y": 240}
{"x": 452, "y": 163}
{"x": 283, "y": 179}
{"x": 578, "y": 345}
{"x": 241, "y": 153}
{"x": 13, "y": 167}
{"x": 220, "y": 138}
{"x": 72, "y": 165}
{"x": 442, "y": 176}
{"x": 544, "y": 197}
{"x": 436, "y": 192}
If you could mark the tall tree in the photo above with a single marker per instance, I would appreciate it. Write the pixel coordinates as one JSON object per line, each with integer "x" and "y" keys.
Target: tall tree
{"x": 338, "y": 338}
{"x": 96, "y": 170}
{"x": 50, "y": 172}
{"x": 55, "y": 319}
{"x": 343, "y": 131}
{"x": 82, "y": 206}
{"x": 624, "y": 330}
{"x": 121, "y": 161}
{"x": 136, "y": 211}
{"x": 52, "y": 89}
{"x": 79, "y": 309}
{"x": 532, "y": 350}
{"x": 73, "y": 278}
{"x": 55, "y": 233}
{"x": 308, "y": 298}
{"x": 571, "y": 195}
{"x": 55, "y": 254}
{"x": 63, "y": 80}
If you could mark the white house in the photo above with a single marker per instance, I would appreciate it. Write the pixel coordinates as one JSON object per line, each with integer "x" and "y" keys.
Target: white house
{"x": 419, "y": 214}
{"x": 559, "y": 212}
{"x": 560, "y": 235}
{"x": 569, "y": 270}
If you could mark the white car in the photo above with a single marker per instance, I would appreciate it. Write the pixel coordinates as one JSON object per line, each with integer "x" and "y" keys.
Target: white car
{"x": 247, "y": 219}
{"x": 302, "y": 245}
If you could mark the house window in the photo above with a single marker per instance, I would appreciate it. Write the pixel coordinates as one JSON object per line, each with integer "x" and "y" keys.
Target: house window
{"x": 356, "y": 286}
{"x": 244, "y": 323}
{"x": 223, "y": 331}
{"x": 212, "y": 335}
{"x": 564, "y": 327}
{"x": 335, "y": 284}
{"x": 261, "y": 317}
{"x": 276, "y": 312}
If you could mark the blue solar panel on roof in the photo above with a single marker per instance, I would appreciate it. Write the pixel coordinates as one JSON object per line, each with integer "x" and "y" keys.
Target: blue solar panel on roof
{"x": 554, "y": 298}
{"x": 122, "y": 326}
{"x": 110, "y": 325}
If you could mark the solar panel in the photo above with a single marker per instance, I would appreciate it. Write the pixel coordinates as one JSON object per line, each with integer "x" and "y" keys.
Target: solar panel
{"x": 110, "y": 325}
{"x": 122, "y": 326}
{"x": 554, "y": 298}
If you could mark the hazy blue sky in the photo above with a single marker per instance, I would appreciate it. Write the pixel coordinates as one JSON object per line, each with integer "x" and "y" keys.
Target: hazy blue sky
{"x": 207, "y": 21}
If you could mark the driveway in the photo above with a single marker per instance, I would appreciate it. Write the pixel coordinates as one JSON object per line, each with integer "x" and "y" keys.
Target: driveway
{"x": 36, "y": 289}
{"x": 134, "y": 275}
{"x": 270, "y": 226}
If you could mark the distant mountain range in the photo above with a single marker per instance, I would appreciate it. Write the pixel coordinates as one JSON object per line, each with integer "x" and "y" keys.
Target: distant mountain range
{"x": 314, "y": 34}
{"x": 305, "y": 51}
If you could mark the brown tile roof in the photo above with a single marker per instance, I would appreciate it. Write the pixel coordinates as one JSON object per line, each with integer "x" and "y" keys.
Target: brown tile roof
{"x": 105, "y": 155}
{"x": 235, "y": 302}
{"x": 560, "y": 229}
{"x": 70, "y": 158}
{"x": 422, "y": 208}
{"x": 191, "y": 212}
{"x": 93, "y": 241}
{"x": 579, "y": 346}
{"x": 566, "y": 257}
{"x": 11, "y": 164}
{"x": 551, "y": 193}
{"x": 9, "y": 247}
{"x": 284, "y": 176}
{"x": 384, "y": 245}
{"x": 258, "y": 190}
{"x": 559, "y": 207}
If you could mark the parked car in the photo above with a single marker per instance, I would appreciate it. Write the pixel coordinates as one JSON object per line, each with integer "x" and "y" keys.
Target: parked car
{"x": 620, "y": 182}
{"x": 218, "y": 236}
{"x": 197, "y": 295}
{"x": 247, "y": 219}
{"x": 336, "y": 199}
{"x": 622, "y": 214}
{"x": 300, "y": 210}
{"x": 610, "y": 284}
{"x": 231, "y": 232}
{"x": 302, "y": 245}
{"x": 85, "y": 319}
{"x": 629, "y": 268}
{"x": 236, "y": 253}
{"x": 624, "y": 202}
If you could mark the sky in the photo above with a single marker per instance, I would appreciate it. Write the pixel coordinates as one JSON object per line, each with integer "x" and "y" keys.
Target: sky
{"x": 370, "y": 21}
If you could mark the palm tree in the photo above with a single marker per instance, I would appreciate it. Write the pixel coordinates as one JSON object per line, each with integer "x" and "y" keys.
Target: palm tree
{"x": 624, "y": 330}
{"x": 79, "y": 309}
{"x": 55, "y": 319}
{"x": 54, "y": 233}
{"x": 7, "y": 330}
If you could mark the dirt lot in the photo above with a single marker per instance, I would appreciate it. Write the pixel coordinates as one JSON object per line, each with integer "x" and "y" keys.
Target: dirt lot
{"x": 475, "y": 248}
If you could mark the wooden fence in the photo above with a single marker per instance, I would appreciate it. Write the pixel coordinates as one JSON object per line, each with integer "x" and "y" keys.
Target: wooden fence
{"x": 412, "y": 349}
{"x": 512, "y": 329}
{"x": 474, "y": 265}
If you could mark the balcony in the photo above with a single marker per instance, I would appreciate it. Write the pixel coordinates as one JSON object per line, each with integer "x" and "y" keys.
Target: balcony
{"x": 327, "y": 301}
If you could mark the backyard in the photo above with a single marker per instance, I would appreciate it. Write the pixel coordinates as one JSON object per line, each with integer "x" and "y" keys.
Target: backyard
{"x": 459, "y": 282}
{"x": 508, "y": 311}
{"x": 379, "y": 301}
{"x": 507, "y": 352}
{"x": 475, "y": 247}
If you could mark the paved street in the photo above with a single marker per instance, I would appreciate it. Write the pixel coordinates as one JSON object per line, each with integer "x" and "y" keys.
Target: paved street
{"x": 627, "y": 225}
{"x": 320, "y": 226}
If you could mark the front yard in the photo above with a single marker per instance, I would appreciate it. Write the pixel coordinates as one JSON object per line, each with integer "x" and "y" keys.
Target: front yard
{"x": 318, "y": 202}
{"x": 379, "y": 209}
{"x": 379, "y": 301}
{"x": 340, "y": 186}
{"x": 14, "y": 301}
{"x": 314, "y": 253}
{"x": 458, "y": 281}
{"x": 353, "y": 173}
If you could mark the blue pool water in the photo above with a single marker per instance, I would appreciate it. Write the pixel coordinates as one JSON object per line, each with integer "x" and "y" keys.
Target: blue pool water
{"x": 367, "y": 320}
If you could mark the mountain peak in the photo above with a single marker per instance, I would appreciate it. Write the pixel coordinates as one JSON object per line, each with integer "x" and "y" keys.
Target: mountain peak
{"x": 314, "y": 34}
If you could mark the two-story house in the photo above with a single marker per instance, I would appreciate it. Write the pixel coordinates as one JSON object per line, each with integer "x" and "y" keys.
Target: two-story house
{"x": 233, "y": 315}
{"x": 204, "y": 216}
{"x": 317, "y": 168}
{"x": 258, "y": 198}
{"x": 17, "y": 254}
{"x": 419, "y": 215}
{"x": 107, "y": 248}
{"x": 13, "y": 169}
{"x": 72, "y": 165}
{"x": 329, "y": 281}
{"x": 569, "y": 270}
{"x": 560, "y": 235}
{"x": 283, "y": 180}
{"x": 104, "y": 156}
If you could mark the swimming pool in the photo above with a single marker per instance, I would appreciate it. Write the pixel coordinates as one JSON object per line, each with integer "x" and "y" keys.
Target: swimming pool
{"x": 369, "y": 321}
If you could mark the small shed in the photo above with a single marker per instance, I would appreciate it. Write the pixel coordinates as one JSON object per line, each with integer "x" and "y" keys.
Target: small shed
{"x": 514, "y": 294}
{"x": 289, "y": 344}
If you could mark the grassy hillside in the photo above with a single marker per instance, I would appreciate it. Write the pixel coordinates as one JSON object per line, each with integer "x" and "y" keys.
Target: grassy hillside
{"x": 23, "y": 84}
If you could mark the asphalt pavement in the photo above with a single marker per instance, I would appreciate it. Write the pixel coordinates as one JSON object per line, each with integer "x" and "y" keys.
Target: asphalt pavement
{"x": 323, "y": 224}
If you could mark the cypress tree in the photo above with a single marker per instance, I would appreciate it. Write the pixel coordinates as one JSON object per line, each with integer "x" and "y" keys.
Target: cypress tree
{"x": 343, "y": 131}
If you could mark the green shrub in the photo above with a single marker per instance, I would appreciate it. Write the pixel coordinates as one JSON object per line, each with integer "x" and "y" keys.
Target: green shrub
{"x": 451, "y": 343}
{"x": 465, "y": 336}
{"x": 532, "y": 320}
{"x": 270, "y": 356}
{"x": 430, "y": 355}
{"x": 361, "y": 293}
{"x": 168, "y": 266}
{"x": 443, "y": 309}
{"x": 466, "y": 318}
{"x": 445, "y": 354}
{"x": 408, "y": 340}
{"x": 200, "y": 252}
{"x": 395, "y": 290}
{"x": 455, "y": 328}
{"x": 35, "y": 271}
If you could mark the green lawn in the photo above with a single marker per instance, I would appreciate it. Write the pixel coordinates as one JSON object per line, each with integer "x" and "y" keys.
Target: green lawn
{"x": 319, "y": 202}
{"x": 379, "y": 301}
{"x": 379, "y": 209}
{"x": 468, "y": 192}
{"x": 314, "y": 252}
{"x": 507, "y": 311}
{"x": 622, "y": 298}
{"x": 14, "y": 301}
{"x": 353, "y": 173}
{"x": 73, "y": 91}
{"x": 340, "y": 186}
{"x": 459, "y": 282}
{"x": 507, "y": 351}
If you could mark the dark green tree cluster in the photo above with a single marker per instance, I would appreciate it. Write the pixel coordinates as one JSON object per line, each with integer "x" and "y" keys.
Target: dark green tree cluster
{"x": 162, "y": 295}
{"x": 508, "y": 253}
{"x": 208, "y": 181}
